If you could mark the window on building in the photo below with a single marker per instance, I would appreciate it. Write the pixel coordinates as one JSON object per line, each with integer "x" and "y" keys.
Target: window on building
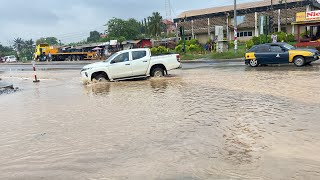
{"x": 244, "y": 34}
{"x": 240, "y": 19}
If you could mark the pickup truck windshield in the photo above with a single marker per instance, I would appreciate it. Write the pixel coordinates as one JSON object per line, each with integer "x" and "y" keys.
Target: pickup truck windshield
{"x": 111, "y": 57}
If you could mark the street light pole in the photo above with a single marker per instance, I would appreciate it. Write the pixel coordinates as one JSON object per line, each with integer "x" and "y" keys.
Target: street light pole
{"x": 235, "y": 27}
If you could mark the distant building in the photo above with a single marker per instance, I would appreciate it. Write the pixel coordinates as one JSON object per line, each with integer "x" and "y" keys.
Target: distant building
{"x": 170, "y": 26}
{"x": 103, "y": 35}
{"x": 200, "y": 24}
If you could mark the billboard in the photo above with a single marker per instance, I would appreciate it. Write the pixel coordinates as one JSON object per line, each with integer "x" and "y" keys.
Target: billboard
{"x": 308, "y": 16}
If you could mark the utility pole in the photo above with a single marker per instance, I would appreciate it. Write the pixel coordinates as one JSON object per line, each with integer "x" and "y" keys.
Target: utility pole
{"x": 271, "y": 26}
{"x": 286, "y": 20}
{"x": 235, "y": 27}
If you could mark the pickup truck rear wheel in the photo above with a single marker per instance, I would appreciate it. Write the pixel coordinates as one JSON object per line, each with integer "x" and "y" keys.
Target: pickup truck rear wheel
{"x": 157, "y": 72}
{"x": 299, "y": 61}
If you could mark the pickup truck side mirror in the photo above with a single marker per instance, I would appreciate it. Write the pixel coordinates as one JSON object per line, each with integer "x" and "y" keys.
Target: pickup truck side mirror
{"x": 112, "y": 62}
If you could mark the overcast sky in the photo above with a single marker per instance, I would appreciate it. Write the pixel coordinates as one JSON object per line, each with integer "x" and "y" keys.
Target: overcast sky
{"x": 72, "y": 20}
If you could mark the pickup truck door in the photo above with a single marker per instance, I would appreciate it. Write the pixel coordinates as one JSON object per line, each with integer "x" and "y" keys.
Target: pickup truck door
{"x": 140, "y": 62}
{"x": 120, "y": 66}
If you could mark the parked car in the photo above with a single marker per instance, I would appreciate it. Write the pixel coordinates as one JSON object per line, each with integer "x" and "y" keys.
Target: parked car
{"x": 130, "y": 64}
{"x": 11, "y": 58}
{"x": 279, "y": 53}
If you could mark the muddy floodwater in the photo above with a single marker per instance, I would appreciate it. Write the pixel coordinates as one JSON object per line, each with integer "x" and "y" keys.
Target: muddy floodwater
{"x": 231, "y": 122}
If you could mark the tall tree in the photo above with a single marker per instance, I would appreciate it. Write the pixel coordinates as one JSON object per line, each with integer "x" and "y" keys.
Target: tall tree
{"x": 28, "y": 49}
{"x": 129, "y": 29}
{"x": 146, "y": 24}
{"x": 48, "y": 40}
{"x": 52, "y": 41}
{"x": 155, "y": 24}
{"x": 6, "y": 50}
{"x": 18, "y": 44}
{"x": 94, "y": 36}
{"x": 41, "y": 41}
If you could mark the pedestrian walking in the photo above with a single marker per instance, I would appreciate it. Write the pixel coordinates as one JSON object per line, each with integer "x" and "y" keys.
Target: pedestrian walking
{"x": 274, "y": 38}
{"x": 49, "y": 56}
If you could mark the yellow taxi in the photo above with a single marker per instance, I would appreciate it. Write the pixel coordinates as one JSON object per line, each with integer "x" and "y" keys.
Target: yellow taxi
{"x": 279, "y": 53}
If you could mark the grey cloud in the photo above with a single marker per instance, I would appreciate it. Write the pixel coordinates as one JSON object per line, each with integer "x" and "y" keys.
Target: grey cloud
{"x": 71, "y": 20}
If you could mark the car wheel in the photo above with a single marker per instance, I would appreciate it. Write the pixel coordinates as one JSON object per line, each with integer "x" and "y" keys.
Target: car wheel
{"x": 100, "y": 78}
{"x": 253, "y": 63}
{"x": 157, "y": 72}
{"x": 299, "y": 61}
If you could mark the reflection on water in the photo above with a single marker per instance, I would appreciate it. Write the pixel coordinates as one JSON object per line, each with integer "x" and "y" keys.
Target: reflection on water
{"x": 209, "y": 123}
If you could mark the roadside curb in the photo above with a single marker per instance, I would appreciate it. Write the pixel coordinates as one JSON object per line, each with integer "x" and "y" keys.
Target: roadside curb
{"x": 213, "y": 60}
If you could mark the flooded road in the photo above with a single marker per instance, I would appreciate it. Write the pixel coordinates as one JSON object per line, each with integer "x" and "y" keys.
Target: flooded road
{"x": 215, "y": 122}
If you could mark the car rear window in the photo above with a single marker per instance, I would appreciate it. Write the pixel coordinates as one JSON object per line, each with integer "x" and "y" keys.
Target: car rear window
{"x": 253, "y": 49}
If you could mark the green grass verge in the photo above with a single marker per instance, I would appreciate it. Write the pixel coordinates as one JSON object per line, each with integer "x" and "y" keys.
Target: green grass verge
{"x": 229, "y": 54}
{"x": 189, "y": 56}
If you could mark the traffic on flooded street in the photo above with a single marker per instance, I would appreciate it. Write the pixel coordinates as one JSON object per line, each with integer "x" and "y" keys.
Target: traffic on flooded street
{"x": 206, "y": 121}
{"x": 160, "y": 90}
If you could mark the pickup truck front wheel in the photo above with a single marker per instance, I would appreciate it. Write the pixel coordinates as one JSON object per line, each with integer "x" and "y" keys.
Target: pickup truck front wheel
{"x": 157, "y": 72}
{"x": 100, "y": 77}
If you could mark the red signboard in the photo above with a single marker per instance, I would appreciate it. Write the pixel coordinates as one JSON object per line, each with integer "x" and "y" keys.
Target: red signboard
{"x": 313, "y": 14}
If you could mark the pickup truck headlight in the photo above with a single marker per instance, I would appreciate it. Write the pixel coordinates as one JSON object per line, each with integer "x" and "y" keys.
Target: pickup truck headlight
{"x": 85, "y": 69}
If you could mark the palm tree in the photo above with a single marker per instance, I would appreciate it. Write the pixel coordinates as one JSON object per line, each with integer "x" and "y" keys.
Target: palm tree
{"x": 155, "y": 24}
{"x": 28, "y": 48}
{"x": 29, "y": 44}
{"x": 18, "y": 44}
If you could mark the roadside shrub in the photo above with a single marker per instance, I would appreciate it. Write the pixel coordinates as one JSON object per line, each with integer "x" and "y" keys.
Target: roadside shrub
{"x": 281, "y": 36}
{"x": 249, "y": 44}
{"x": 187, "y": 49}
{"x": 291, "y": 38}
{"x": 262, "y": 39}
{"x": 195, "y": 48}
{"x": 306, "y": 33}
{"x": 231, "y": 45}
{"x": 194, "y": 42}
{"x": 154, "y": 51}
{"x": 162, "y": 50}
{"x": 159, "y": 50}
{"x": 178, "y": 49}
{"x": 256, "y": 40}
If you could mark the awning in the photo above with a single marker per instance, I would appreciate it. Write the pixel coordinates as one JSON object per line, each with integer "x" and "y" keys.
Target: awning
{"x": 96, "y": 49}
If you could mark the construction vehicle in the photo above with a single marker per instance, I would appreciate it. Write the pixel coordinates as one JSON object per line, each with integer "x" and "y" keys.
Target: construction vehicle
{"x": 62, "y": 53}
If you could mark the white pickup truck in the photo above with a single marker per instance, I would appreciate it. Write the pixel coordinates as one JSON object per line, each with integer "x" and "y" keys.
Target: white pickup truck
{"x": 130, "y": 64}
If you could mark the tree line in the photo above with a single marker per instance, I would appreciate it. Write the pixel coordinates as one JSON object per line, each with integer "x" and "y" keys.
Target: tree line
{"x": 121, "y": 29}
{"x": 20, "y": 48}
{"x": 116, "y": 29}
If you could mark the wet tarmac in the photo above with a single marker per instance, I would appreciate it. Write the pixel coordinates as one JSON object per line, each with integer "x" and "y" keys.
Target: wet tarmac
{"x": 203, "y": 122}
